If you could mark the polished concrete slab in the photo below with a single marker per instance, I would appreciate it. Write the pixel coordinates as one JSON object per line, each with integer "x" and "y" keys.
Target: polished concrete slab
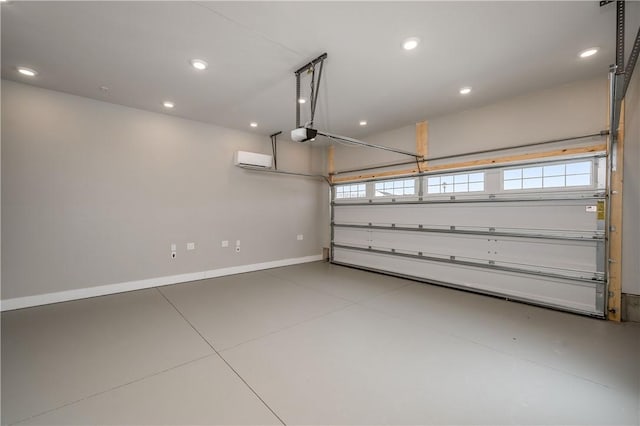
{"x": 596, "y": 350}
{"x": 57, "y": 354}
{"x": 348, "y": 283}
{"x": 360, "y": 366}
{"x": 314, "y": 344}
{"x": 232, "y": 310}
{"x": 201, "y": 392}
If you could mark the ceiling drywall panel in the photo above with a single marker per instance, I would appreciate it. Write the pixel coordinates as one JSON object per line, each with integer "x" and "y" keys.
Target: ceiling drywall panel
{"x": 141, "y": 50}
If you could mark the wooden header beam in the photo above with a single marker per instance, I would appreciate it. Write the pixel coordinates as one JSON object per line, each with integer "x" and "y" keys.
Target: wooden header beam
{"x": 331, "y": 168}
{"x": 422, "y": 138}
{"x": 474, "y": 163}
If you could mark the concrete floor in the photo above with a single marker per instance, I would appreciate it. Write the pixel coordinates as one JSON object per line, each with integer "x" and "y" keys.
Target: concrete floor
{"x": 314, "y": 344}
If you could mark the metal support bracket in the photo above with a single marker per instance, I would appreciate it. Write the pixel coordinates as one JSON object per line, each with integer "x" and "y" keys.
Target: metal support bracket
{"x": 620, "y": 35}
{"x": 274, "y": 149}
{"x": 621, "y": 75}
{"x": 315, "y": 85}
{"x": 631, "y": 65}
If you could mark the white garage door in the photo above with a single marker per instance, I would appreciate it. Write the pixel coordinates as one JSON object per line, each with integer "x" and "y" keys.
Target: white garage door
{"x": 528, "y": 232}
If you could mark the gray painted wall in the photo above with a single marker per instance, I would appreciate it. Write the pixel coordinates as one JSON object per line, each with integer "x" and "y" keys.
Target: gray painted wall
{"x": 569, "y": 110}
{"x": 631, "y": 191}
{"x": 94, "y": 193}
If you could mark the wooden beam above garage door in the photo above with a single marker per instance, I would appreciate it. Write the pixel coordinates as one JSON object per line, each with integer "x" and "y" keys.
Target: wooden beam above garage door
{"x": 474, "y": 163}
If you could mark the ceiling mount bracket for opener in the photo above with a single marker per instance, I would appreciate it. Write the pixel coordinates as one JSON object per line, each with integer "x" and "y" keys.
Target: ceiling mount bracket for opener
{"x": 315, "y": 86}
{"x": 307, "y": 132}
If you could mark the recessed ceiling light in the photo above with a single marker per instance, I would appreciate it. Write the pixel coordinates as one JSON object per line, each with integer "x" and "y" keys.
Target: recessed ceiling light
{"x": 363, "y": 122}
{"x": 168, "y": 104}
{"x": 253, "y": 124}
{"x": 302, "y": 100}
{"x": 104, "y": 88}
{"x": 199, "y": 64}
{"x": 588, "y": 52}
{"x": 465, "y": 90}
{"x": 27, "y": 71}
{"x": 410, "y": 43}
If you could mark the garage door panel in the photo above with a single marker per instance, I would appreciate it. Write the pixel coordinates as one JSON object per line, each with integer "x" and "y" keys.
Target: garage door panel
{"x": 527, "y": 215}
{"x": 583, "y": 257}
{"x": 525, "y": 253}
{"x": 579, "y": 297}
{"x": 543, "y": 246}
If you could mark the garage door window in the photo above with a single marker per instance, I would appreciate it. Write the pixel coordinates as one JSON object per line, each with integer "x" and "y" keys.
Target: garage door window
{"x": 551, "y": 176}
{"x": 351, "y": 191}
{"x": 466, "y": 182}
{"x": 395, "y": 187}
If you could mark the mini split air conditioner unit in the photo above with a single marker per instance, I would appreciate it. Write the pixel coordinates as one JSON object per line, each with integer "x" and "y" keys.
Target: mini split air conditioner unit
{"x": 253, "y": 159}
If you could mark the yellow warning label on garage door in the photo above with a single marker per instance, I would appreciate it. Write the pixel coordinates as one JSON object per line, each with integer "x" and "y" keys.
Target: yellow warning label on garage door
{"x": 601, "y": 210}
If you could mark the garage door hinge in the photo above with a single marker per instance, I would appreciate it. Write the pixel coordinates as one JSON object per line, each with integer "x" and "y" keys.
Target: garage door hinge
{"x": 613, "y": 261}
{"x": 612, "y": 228}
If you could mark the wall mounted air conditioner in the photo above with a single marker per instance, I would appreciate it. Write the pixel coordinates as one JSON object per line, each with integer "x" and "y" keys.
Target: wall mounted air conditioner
{"x": 253, "y": 159}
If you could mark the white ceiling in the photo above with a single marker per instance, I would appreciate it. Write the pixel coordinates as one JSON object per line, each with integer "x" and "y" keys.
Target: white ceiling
{"x": 141, "y": 50}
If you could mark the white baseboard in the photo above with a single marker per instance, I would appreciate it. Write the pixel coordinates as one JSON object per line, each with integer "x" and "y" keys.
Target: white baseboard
{"x": 83, "y": 293}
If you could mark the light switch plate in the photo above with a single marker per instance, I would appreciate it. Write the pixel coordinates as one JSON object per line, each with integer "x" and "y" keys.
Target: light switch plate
{"x": 225, "y": 243}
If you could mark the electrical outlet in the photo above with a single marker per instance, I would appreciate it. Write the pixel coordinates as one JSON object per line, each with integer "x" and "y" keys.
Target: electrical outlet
{"x": 173, "y": 247}
{"x": 300, "y": 237}
{"x": 225, "y": 243}
{"x": 237, "y": 243}
{"x": 237, "y": 249}
{"x": 191, "y": 246}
